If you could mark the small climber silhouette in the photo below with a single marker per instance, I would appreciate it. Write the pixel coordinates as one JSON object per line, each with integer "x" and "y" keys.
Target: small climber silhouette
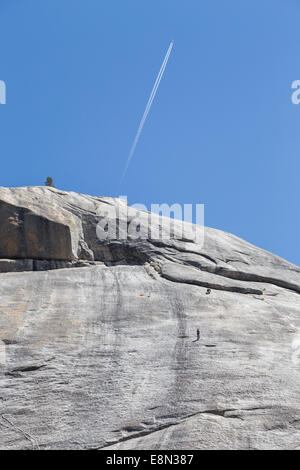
{"x": 208, "y": 291}
{"x": 198, "y": 336}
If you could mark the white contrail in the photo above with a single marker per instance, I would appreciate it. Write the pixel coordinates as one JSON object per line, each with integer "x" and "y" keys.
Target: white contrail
{"x": 150, "y": 101}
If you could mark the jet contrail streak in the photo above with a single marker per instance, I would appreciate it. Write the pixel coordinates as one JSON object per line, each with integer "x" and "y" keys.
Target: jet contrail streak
{"x": 148, "y": 106}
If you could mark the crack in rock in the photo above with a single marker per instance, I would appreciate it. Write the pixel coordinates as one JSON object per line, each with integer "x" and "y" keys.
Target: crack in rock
{"x": 216, "y": 412}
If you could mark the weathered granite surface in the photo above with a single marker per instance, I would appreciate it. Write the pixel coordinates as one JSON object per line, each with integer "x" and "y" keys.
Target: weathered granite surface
{"x": 102, "y": 356}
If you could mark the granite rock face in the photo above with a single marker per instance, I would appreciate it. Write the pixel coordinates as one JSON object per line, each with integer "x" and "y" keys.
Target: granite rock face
{"x": 96, "y": 335}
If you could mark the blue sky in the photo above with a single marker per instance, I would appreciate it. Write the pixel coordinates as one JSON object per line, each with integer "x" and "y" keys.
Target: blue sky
{"x": 222, "y": 130}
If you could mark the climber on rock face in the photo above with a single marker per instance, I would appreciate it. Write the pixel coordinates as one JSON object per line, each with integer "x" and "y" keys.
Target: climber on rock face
{"x": 198, "y": 336}
{"x": 208, "y": 291}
